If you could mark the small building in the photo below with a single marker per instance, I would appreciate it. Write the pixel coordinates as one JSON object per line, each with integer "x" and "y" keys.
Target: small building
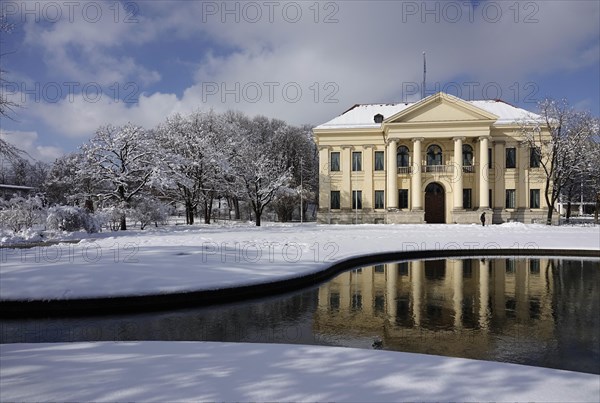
{"x": 439, "y": 160}
{"x": 7, "y": 191}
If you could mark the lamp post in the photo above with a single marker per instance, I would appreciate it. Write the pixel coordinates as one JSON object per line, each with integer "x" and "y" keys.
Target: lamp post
{"x": 301, "y": 189}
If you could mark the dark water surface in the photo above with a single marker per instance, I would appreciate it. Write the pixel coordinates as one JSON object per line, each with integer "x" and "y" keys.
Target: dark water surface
{"x": 543, "y": 312}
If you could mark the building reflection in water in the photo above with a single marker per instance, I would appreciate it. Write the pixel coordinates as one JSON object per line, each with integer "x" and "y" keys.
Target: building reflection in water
{"x": 464, "y": 308}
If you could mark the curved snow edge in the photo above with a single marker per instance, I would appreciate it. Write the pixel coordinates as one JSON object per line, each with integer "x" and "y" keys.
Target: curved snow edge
{"x": 203, "y": 297}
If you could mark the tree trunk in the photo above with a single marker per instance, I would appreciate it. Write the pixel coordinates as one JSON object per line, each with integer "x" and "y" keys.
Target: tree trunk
{"x": 123, "y": 223}
{"x": 89, "y": 205}
{"x": 596, "y": 210}
{"x": 257, "y": 218}
{"x": 236, "y": 205}
{"x": 189, "y": 213}
{"x": 549, "y": 217}
{"x": 568, "y": 210}
{"x": 208, "y": 210}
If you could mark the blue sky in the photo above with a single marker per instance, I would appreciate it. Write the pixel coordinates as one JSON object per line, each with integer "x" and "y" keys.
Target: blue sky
{"x": 77, "y": 65}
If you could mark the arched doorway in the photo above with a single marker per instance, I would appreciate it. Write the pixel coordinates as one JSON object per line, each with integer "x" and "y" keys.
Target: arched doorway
{"x": 435, "y": 211}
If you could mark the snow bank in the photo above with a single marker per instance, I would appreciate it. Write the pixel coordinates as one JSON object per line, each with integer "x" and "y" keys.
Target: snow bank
{"x": 210, "y": 257}
{"x": 193, "y": 371}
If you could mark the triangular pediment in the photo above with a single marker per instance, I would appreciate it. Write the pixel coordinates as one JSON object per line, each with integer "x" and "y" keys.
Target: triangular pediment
{"x": 441, "y": 107}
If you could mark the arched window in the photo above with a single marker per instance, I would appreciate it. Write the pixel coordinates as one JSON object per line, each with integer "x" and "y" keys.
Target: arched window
{"x": 402, "y": 156}
{"x": 434, "y": 155}
{"x": 467, "y": 155}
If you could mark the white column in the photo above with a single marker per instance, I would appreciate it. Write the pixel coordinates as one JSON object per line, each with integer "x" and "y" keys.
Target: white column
{"x": 324, "y": 178}
{"x": 416, "y": 277}
{"x": 346, "y": 167}
{"x": 484, "y": 292}
{"x": 458, "y": 179}
{"x": 391, "y": 281}
{"x": 457, "y": 285}
{"x": 415, "y": 184}
{"x": 392, "y": 175}
{"x": 523, "y": 169}
{"x": 499, "y": 188}
{"x": 484, "y": 185}
{"x": 368, "y": 196}
{"x": 323, "y": 299}
{"x": 366, "y": 288}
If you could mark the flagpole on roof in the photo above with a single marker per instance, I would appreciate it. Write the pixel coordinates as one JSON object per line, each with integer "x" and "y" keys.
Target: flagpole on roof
{"x": 424, "y": 75}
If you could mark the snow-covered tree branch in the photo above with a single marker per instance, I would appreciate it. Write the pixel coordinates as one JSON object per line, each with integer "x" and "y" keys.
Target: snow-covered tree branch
{"x": 121, "y": 161}
{"x": 562, "y": 139}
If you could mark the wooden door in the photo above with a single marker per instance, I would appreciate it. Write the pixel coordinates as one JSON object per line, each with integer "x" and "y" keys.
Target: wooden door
{"x": 434, "y": 204}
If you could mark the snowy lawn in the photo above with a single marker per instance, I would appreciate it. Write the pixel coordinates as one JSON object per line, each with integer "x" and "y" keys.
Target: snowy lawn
{"x": 198, "y": 371}
{"x": 205, "y": 257}
{"x": 201, "y": 257}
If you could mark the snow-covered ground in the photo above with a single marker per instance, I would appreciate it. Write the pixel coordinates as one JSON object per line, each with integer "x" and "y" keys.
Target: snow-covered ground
{"x": 179, "y": 258}
{"x": 193, "y": 371}
{"x": 206, "y": 257}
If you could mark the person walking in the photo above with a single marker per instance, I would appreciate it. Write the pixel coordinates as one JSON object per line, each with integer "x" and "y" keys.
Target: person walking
{"x": 482, "y": 218}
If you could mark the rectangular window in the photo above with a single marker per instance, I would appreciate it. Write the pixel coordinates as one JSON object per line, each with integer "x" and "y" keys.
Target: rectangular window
{"x": 356, "y": 199}
{"x": 379, "y": 161}
{"x": 402, "y": 198}
{"x": 356, "y": 301}
{"x": 379, "y": 199}
{"x": 534, "y": 266}
{"x": 534, "y": 198}
{"x": 490, "y": 157}
{"x": 335, "y": 199}
{"x": 490, "y": 200}
{"x": 334, "y": 301}
{"x": 510, "y": 198}
{"x": 510, "y": 266}
{"x": 534, "y": 157}
{"x": 357, "y": 161}
{"x": 379, "y": 304}
{"x": 467, "y": 199}
{"x": 335, "y": 161}
{"x": 467, "y": 266}
{"x": 511, "y": 157}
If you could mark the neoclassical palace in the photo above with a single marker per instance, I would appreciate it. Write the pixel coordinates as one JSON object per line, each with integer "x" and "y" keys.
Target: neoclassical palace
{"x": 439, "y": 160}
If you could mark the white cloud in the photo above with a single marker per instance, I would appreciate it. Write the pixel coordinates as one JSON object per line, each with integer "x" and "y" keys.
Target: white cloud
{"x": 81, "y": 117}
{"x": 370, "y": 55}
{"x": 82, "y": 43}
{"x": 28, "y": 141}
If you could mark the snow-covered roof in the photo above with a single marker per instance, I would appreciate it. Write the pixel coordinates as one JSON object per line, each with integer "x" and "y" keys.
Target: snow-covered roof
{"x": 361, "y": 116}
{"x": 506, "y": 112}
{"x": 15, "y": 187}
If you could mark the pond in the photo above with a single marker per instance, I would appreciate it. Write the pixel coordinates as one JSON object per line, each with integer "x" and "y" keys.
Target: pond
{"x": 543, "y": 312}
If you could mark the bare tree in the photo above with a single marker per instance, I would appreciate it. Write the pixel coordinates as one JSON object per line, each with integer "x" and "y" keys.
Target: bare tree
{"x": 561, "y": 139}
{"x": 7, "y": 105}
{"x": 66, "y": 183}
{"x": 592, "y": 186}
{"x": 259, "y": 172}
{"x": 121, "y": 160}
{"x": 9, "y": 152}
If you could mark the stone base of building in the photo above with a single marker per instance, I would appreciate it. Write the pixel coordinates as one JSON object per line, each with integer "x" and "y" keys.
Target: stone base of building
{"x": 369, "y": 216}
{"x": 525, "y": 216}
{"x": 406, "y": 217}
{"x": 471, "y": 216}
{"x": 348, "y": 216}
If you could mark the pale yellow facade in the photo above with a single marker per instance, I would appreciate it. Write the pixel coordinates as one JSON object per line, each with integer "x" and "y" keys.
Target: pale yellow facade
{"x": 440, "y": 160}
